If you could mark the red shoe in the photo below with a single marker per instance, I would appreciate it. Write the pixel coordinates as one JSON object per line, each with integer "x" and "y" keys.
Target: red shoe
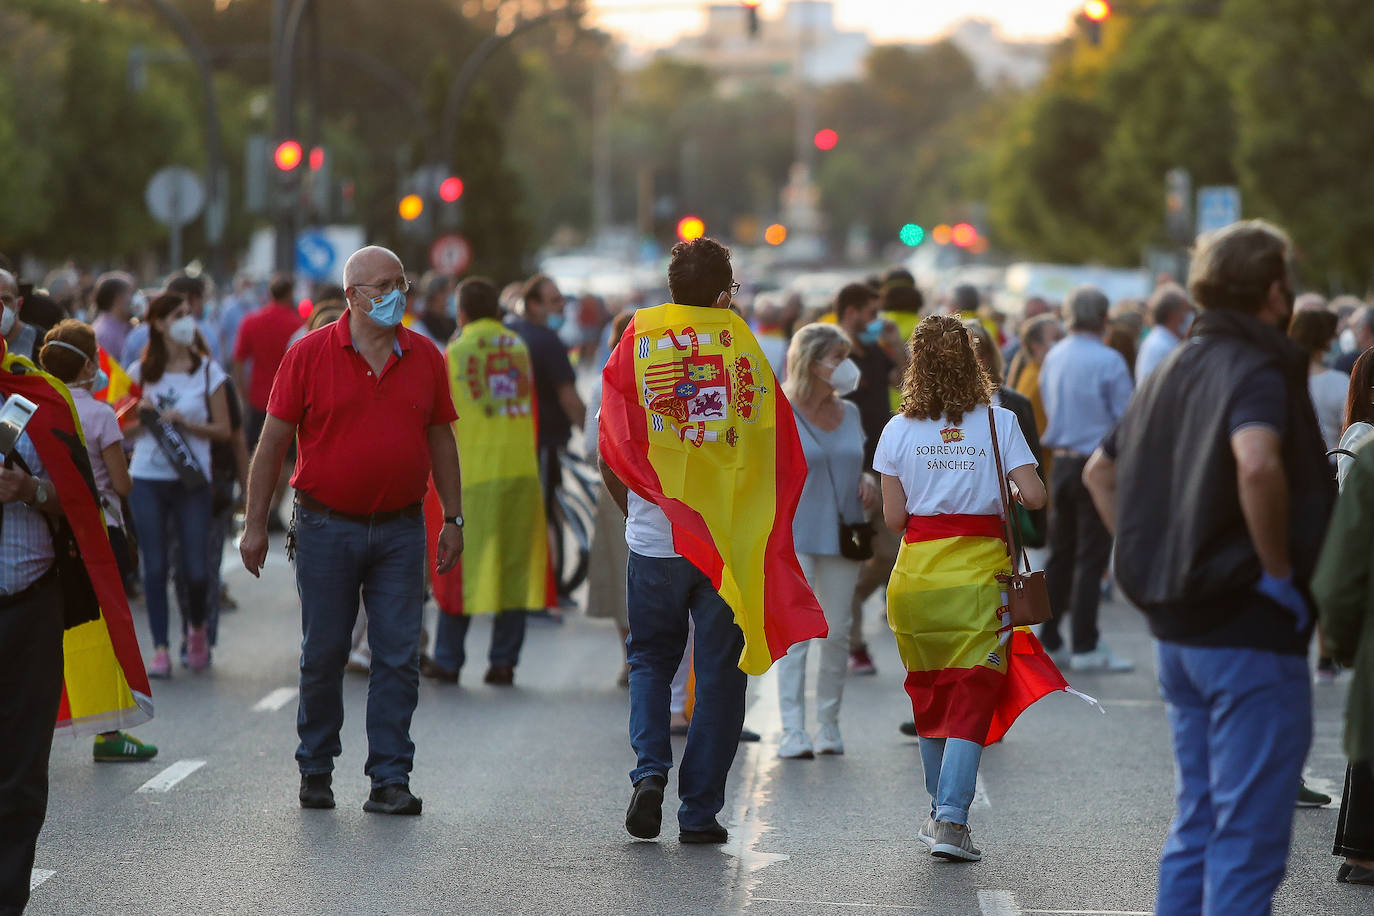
{"x": 860, "y": 663}
{"x": 197, "y": 649}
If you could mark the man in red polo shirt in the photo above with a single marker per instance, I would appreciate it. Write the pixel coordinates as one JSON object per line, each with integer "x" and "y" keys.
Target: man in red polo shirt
{"x": 368, "y": 403}
{"x": 258, "y": 351}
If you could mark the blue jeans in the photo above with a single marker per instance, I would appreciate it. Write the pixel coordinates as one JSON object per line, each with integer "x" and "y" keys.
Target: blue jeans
{"x": 1242, "y": 723}
{"x": 660, "y": 594}
{"x": 507, "y": 637}
{"x": 214, "y": 559}
{"x": 158, "y": 505}
{"x": 336, "y": 560}
{"x": 951, "y": 771}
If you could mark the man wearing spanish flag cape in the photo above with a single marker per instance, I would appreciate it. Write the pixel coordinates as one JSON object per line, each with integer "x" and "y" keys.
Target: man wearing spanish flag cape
{"x": 49, "y": 510}
{"x": 699, "y": 449}
{"x": 504, "y": 570}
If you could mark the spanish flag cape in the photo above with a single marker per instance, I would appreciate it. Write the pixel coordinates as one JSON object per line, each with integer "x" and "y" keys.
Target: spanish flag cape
{"x": 106, "y": 686}
{"x": 505, "y": 564}
{"x": 969, "y": 673}
{"x": 121, "y": 392}
{"x": 693, "y": 420}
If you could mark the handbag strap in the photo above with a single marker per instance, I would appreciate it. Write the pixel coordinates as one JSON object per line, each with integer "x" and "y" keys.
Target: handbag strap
{"x": 829, "y": 471}
{"x": 1002, "y": 491}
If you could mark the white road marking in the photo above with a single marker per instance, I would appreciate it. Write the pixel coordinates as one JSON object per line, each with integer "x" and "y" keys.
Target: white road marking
{"x": 980, "y": 794}
{"x": 276, "y": 699}
{"x": 856, "y": 904}
{"x": 747, "y": 828}
{"x": 168, "y": 778}
{"x": 38, "y": 875}
{"x": 1093, "y": 912}
{"x": 998, "y": 903}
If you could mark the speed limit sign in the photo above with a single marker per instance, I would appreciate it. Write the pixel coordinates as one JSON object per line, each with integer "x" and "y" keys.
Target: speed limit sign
{"x": 450, "y": 254}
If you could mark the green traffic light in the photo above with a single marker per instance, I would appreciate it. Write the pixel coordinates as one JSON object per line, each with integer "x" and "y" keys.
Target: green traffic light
{"x": 911, "y": 235}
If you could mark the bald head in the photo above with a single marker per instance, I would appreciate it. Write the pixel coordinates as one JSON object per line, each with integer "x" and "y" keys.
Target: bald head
{"x": 8, "y": 284}
{"x": 371, "y": 265}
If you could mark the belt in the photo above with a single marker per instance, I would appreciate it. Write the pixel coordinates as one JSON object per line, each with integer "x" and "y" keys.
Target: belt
{"x": 376, "y": 518}
{"x": 25, "y": 594}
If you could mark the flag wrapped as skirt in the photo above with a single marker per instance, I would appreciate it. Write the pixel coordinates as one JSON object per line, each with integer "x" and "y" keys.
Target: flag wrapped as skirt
{"x": 505, "y": 562}
{"x": 105, "y": 686}
{"x": 693, "y": 420}
{"x": 969, "y": 674}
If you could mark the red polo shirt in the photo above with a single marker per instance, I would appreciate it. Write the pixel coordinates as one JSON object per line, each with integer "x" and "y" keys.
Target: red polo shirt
{"x": 362, "y": 440}
{"x": 262, "y": 340}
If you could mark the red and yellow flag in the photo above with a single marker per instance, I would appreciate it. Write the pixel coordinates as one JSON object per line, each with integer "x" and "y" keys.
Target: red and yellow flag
{"x": 505, "y": 564}
{"x": 969, "y": 674}
{"x": 105, "y": 686}
{"x": 120, "y": 392}
{"x": 693, "y": 420}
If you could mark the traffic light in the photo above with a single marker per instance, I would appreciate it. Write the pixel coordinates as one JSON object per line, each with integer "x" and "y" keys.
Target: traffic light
{"x": 963, "y": 235}
{"x": 1091, "y": 17}
{"x": 942, "y": 234}
{"x": 450, "y": 189}
{"x": 751, "y": 17}
{"x": 317, "y": 158}
{"x": 775, "y": 234}
{"x": 690, "y": 227}
{"x": 410, "y": 207}
{"x": 911, "y": 235}
{"x": 825, "y": 139}
{"x": 288, "y": 155}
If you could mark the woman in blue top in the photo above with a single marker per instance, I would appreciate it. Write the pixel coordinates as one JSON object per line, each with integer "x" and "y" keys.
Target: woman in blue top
{"x": 819, "y": 374}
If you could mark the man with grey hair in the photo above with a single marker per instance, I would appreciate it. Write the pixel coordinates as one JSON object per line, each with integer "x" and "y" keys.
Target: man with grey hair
{"x": 1171, "y": 314}
{"x": 1086, "y": 386}
{"x": 1361, "y": 330}
{"x": 368, "y": 403}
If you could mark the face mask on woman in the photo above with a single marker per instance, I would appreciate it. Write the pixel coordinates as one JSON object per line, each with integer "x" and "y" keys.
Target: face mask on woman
{"x": 844, "y": 378}
{"x": 183, "y": 330}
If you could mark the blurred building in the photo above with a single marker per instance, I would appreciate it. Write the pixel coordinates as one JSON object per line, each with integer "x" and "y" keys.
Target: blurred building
{"x": 805, "y": 40}
{"x": 997, "y": 60}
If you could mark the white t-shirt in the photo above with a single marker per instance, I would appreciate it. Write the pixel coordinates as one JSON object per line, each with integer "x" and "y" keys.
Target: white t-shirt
{"x": 1329, "y": 389}
{"x": 186, "y": 394}
{"x": 947, "y": 469}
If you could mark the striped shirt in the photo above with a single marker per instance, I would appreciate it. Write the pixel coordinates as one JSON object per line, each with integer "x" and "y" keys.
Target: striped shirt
{"x": 26, "y": 550}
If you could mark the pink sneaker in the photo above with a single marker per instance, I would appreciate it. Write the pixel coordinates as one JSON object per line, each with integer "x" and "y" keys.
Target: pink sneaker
{"x": 197, "y": 649}
{"x": 161, "y": 665}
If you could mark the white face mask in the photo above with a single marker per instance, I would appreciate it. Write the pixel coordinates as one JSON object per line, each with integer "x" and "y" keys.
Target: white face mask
{"x": 183, "y": 330}
{"x": 7, "y": 321}
{"x": 844, "y": 378}
{"x": 138, "y": 304}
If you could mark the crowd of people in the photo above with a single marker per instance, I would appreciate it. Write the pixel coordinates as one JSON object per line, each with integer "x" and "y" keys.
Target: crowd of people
{"x": 1187, "y": 449}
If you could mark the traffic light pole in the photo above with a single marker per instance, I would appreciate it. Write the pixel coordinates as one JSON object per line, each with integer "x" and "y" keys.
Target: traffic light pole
{"x": 286, "y": 22}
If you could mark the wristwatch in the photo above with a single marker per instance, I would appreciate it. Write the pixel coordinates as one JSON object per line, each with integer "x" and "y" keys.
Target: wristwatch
{"x": 453, "y": 520}
{"x": 40, "y": 493}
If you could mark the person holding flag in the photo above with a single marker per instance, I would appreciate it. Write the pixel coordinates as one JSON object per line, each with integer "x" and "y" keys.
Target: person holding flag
{"x": 67, "y": 644}
{"x": 699, "y": 449}
{"x": 505, "y": 566}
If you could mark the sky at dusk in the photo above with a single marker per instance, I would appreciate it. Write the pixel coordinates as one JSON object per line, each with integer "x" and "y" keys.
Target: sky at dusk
{"x": 883, "y": 20}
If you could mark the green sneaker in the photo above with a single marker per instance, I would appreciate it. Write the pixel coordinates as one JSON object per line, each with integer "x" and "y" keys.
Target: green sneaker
{"x": 122, "y": 746}
{"x": 1311, "y": 798}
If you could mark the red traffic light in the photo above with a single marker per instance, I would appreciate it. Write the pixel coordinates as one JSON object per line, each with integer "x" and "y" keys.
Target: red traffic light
{"x": 1097, "y": 10}
{"x": 690, "y": 227}
{"x": 963, "y": 235}
{"x": 450, "y": 189}
{"x": 317, "y": 159}
{"x": 288, "y": 155}
{"x": 826, "y": 139}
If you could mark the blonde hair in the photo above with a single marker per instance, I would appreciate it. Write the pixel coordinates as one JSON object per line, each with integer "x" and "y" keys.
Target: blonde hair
{"x": 810, "y": 345}
{"x": 945, "y": 379}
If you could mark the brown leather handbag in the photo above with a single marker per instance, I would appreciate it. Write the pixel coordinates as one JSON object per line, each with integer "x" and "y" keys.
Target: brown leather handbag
{"x": 1028, "y": 598}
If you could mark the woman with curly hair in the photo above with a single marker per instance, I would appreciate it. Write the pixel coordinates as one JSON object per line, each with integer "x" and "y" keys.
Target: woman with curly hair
{"x": 941, "y": 489}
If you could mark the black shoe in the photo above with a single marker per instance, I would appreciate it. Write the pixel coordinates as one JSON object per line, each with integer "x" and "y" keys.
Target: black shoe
{"x": 713, "y": 834}
{"x": 747, "y": 736}
{"x": 316, "y": 791}
{"x": 500, "y": 675}
{"x": 644, "y": 818}
{"x": 907, "y": 728}
{"x": 436, "y": 672}
{"x": 393, "y": 799}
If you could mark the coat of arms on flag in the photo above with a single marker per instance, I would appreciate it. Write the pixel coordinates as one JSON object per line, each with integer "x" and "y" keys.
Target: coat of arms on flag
{"x": 692, "y": 388}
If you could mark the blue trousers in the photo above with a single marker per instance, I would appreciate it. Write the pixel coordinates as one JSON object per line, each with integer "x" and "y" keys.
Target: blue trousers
{"x": 336, "y": 562}
{"x": 507, "y": 638}
{"x": 1242, "y": 723}
{"x": 951, "y": 771}
{"x": 157, "y": 506}
{"x": 661, "y": 593}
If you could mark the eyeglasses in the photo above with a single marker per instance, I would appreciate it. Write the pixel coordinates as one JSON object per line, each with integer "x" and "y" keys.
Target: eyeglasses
{"x": 734, "y": 289}
{"x": 386, "y": 286}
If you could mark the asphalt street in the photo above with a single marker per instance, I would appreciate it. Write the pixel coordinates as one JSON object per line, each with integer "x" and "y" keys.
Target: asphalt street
{"x": 525, "y": 790}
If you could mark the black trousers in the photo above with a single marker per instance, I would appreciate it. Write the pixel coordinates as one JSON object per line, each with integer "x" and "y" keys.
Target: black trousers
{"x": 31, "y": 683}
{"x": 1080, "y": 548}
{"x": 1355, "y": 827}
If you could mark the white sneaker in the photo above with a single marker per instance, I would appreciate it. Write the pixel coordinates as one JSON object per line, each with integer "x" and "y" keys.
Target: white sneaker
{"x": 927, "y": 833}
{"x": 1101, "y": 659}
{"x": 796, "y": 745}
{"x": 954, "y": 843}
{"x": 359, "y": 662}
{"x": 828, "y": 740}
